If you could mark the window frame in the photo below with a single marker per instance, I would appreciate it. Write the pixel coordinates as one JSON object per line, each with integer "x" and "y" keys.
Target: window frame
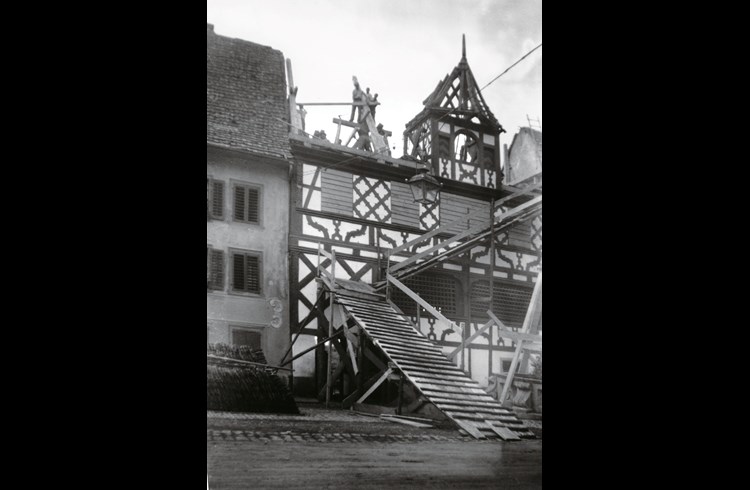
{"x": 210, "y": 250}
{"x": 234, "y": 184}
{"x": 210, "y": 200}
{"x": 230, "y": 280}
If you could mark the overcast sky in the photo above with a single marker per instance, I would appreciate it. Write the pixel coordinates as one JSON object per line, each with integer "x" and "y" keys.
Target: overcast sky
{"x": 400, "y": 49}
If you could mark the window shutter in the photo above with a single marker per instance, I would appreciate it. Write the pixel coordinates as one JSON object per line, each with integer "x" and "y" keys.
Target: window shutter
{"x": 216, "y": 270}
{"x": 246, "y": 272}
{"x": 240, "y": 204}
{"x": 238, "y": 272}
{"x": 217, "y": 200}
{"x": 253, "y": 205}
{"x": 253, "y": 274}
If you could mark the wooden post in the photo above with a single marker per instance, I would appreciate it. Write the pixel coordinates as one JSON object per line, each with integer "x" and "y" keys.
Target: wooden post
{"x": 376, "y": 277}
{"x": 519, "y": 347}
{"x": 492, "y": 280}
{"x": 400, "y": 393}
{"x": 361, "y": 362}
{"x": 329, "y": 388}
{"x": 419, "y": 318}
{"x": 294, "y": 113}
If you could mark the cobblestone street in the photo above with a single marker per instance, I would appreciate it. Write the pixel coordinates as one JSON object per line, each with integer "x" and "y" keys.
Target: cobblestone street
{"x": 334, "y": 448}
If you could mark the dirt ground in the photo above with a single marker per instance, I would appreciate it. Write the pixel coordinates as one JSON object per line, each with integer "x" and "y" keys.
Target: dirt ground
{"x": 334, "y": 449}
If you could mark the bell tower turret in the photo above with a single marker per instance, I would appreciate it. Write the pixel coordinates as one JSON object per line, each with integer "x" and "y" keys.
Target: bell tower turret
{"x": 456, "y": 134}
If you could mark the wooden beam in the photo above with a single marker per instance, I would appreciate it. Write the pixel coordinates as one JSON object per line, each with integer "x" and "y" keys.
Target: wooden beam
{"x": 471, "y": 231}
{"x": 376, "y": 385}
{"x": 312, "y": 348}
{"x": 348, "y": 124}
{"x": 471, "y": 339}
{"x": 329, "y": 387}
{"x": 249, "y": 363}
{"x": 461, "y": 220}
{"x": 410, "y": 423}
{"x": 339, "y": 369}
{"x": 427, "y": 306}
{"x": 338, "y": 103}
{"x": 519, "y": 347}
{"x": 507, "y": 333}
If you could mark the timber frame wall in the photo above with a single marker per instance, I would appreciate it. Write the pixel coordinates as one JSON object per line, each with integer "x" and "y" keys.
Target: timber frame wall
{"x": 362, "y": 207}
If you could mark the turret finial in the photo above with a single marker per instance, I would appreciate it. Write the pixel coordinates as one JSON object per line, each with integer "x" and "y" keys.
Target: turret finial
{"x": 464, "y": 48}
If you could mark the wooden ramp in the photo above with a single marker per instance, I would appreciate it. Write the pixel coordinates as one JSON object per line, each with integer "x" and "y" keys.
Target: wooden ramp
{"x": 425, "y": 366}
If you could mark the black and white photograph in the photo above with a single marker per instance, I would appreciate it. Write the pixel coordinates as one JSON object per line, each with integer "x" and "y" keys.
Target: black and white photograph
{"x": 374, "y": 244}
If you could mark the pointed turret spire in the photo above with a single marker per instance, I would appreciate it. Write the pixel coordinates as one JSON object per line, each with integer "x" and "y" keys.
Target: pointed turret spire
{"x": 463, "y": 54}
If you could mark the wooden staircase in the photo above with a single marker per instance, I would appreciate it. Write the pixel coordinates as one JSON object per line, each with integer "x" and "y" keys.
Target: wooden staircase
{"x": 425, "y": 366}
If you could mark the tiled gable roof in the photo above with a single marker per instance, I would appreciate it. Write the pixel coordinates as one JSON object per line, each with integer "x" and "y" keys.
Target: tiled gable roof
{"x": 246, "y": 96}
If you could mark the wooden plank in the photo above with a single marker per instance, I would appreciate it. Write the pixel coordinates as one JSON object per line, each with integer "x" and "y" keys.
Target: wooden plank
{"x": 398, "y": 337}
{"x": 341, "y": 292}
{"x": 379, "y": 316}
{"x": 391, "y": 327}
{"x": 368, "y": 306}
{"x": 470, "y": 428}
{"x": 403, "y": 209}
{"x": 423, "y": 303}
{"x": 530, "y": 314}
{"x": 415, "y": 367}
{"x": 492, "y": 403}
{"x": 471, "y": 415}
{"x": 407, "y": 352}
{"x": 430, "y": 363}
{"x": 381, "y": 322}
{"x": 450, "y": 389}
{"x": 463, "y": 384}
{"x": 490, "y": 410}
{"x": 413, "y": 372}
{"x": 410, "y": 423}
{"x": 506, "y": 420}
{"x": 463, "y": 396}
{"x": 426, "y": 350}
{"x": 504, "y": 433}
{"x": 413, "y": 342}
{"x": 434, "y": 370}
{"x": 376, "y": 385}
{"x": 416, "y": 355}
{"x": 336, "y": 195}
{"x": 397, "y": 355}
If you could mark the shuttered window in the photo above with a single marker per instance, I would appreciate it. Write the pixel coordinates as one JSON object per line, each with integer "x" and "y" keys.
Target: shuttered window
{"x": 214, "y": 269}
{"x": 441, "y": 291}
{"x": 214, "y": 199}
{"x": 509, "y": 303}
{"x": 247, "y": 204}
{"x": 246, "y": 272}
